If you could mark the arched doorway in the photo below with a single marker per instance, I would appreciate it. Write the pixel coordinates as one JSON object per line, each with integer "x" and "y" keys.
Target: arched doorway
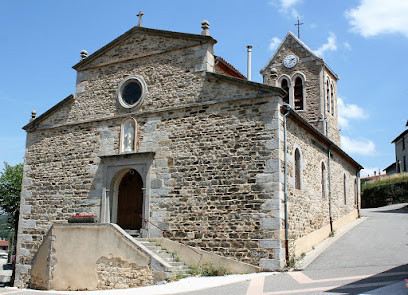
{"x": 130, "y": 201}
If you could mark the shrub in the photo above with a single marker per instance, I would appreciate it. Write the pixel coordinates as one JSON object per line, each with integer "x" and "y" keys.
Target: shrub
{"x": 385, "y": 191}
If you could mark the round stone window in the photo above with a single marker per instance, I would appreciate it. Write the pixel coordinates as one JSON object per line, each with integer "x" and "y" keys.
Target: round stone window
{"x": 131, "y": 92}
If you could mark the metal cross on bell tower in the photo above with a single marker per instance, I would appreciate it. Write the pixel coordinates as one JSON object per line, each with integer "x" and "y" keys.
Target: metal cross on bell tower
{"x": 140, "y": 18}
{"x": 298, "y": 25}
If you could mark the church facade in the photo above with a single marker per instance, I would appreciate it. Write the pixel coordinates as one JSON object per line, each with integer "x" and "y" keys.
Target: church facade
{"x": 164, "y": 138}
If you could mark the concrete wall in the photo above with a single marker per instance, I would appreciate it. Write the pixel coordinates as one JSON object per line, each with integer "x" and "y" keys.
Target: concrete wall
{"x": 196, "y": 257}
{"x": 90, "y": 257}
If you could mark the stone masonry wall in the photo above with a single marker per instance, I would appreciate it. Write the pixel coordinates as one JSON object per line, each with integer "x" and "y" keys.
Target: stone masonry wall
{"x": 314, "y": 87}
{"x": 310, "y": 68}
{"x": 63, "y": 175}
{"x": 212, "y": 180}
{"x": 220, "y": 192}
{"x": 115, "y": 273}
{"x": 308, "y": 209}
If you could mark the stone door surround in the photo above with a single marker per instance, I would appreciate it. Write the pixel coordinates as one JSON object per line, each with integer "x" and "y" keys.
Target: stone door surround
{"x": 114, "y": 167}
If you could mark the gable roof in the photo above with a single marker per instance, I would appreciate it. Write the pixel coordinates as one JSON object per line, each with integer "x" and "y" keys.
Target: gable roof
{"x": 300, "y": 42}
{"x": 399, "y": 136}
{"x": 128, "y": 34}
{"x": 224, "y": 67}
{"x": 51, "y": 111}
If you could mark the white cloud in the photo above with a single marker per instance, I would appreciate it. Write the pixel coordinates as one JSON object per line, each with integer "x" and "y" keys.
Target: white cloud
{"x": 330, "y": 45}
{"x": 370, "y": 172}
{"x": 274, "y": 43}
{"x": 289, "y": 3}
{"x": 347, "y": 45}
{"x": 287, "y": 6}
{"x": 349, "y": 111}
{"x": 375, "y": 17}
{"x": 364, "y": 147}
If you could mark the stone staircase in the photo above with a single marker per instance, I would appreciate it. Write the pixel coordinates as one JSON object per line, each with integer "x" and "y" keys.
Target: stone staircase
{"x": 178, "y": 268}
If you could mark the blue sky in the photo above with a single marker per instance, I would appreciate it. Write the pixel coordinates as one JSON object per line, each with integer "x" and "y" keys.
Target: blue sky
{"x": 363, "y": 41}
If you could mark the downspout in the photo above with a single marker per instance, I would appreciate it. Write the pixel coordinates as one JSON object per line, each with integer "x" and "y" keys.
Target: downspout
{"x": 285, "y": 184}
{"x": 330, "y": 191}
{"x": 358, "y": 192}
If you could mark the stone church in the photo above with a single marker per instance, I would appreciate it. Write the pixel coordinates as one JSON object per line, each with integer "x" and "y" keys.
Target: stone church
{"x": 163, "y": 138}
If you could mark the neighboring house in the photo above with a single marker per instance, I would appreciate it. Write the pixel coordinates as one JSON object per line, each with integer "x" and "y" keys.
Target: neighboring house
{"x": 401, "y": 154}
{"x": 392, "y": 169}
{"x": 4, "y": 245}
{"x": 164, "y": 138}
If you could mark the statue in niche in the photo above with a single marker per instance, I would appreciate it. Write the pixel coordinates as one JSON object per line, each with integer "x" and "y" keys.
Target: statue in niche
{"x": 128, "y": 136}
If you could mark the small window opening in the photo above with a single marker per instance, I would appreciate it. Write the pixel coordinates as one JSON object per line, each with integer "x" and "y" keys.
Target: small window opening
{"x": 345, "y": 189}
{"x": 298, "y": 94}
{"x": 297, "y": 169}
{"x": 285, "y": 86}
{"x": 323, "y": 180}
{"x": 332, "y": 99}
{"x": 327, "y": 97}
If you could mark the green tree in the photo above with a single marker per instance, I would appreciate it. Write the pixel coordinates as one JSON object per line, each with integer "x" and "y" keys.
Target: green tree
{"x": 10, "y": 189}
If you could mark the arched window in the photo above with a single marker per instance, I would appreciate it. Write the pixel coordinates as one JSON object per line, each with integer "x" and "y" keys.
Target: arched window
{"x": 297, "y": 169}
{"x": 345, "y": 189}
{"x": 298, "y": 94}
{"x": 332, "y": 98}
{"x": 327, "y": 96}
{"x": 285, "y": 86}
{"x": 324, "y": 177}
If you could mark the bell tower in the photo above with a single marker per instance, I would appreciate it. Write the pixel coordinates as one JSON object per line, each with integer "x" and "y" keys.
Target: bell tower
{"x": 310, "y": 84}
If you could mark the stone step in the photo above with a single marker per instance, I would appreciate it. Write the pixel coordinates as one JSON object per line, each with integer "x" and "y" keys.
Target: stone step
{"x": 153, "y": 248}
{"x": 133, "y": 232}
{"x": 177, "y": 267}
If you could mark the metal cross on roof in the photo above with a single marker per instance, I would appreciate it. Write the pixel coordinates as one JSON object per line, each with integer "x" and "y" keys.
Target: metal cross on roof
{"x": 298, "y": 25}
{"x": 140, "y": 18}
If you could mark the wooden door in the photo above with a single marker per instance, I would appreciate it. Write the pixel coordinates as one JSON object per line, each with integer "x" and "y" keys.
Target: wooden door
{"x": 130, "y": 201}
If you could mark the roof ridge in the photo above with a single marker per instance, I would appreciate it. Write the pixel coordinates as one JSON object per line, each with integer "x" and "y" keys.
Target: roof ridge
{"x": 229, "y": 65}
{"x": 128, "y": 33}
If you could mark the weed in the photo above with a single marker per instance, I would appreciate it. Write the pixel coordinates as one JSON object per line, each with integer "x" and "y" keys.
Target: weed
{"x": 178, "y": 276}
{"x": 292, "y": 262}
{"x": 209, "y": 270}
{"x": 303, "y": 255}
{"x": 194, "y": 270}
{"x": 331, "y": 234}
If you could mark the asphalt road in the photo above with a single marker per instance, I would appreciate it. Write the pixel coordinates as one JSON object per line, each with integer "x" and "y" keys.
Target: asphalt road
{"x": 371, "y": 258}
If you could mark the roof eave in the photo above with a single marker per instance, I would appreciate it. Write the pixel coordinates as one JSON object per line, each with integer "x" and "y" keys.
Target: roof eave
{"x": 322, "y": 137}
{"x": 52, "y": 110}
